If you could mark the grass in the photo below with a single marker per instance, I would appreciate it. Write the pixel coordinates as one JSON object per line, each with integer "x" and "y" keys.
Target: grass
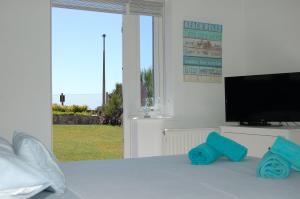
{"x": 87, "y": 142}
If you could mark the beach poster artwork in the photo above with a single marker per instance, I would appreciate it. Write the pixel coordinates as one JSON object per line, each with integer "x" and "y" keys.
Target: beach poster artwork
{"x": 202, "y": 52}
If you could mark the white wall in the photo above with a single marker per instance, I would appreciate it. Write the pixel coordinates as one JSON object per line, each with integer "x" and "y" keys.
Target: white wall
{"x": 25, "y": 72}
{"x": 272, "y": 36}
{"x": 201, "y": 104}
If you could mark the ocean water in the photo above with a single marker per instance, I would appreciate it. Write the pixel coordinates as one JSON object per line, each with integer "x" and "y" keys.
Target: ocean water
{"x": 90, "y": 100}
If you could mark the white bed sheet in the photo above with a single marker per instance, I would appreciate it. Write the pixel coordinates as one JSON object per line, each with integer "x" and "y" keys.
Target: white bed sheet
{"x": 174, "y": 177}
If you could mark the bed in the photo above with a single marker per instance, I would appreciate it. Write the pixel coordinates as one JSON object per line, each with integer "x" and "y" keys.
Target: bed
{"x": 171, "y": 177}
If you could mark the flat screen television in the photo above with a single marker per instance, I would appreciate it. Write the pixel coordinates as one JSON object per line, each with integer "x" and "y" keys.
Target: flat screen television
{"x": 259, "y": 99}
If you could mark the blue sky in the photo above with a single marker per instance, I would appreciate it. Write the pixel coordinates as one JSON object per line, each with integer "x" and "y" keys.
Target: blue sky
{"x": 77, "y": 50}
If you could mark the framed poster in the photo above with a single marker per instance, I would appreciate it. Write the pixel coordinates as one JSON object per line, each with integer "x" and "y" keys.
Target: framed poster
{"x": 202, "y": 52}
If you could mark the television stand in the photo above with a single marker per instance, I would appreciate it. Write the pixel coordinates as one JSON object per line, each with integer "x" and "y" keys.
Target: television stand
{"x": 259, "y": 139}
{"x": 263, "y": 124}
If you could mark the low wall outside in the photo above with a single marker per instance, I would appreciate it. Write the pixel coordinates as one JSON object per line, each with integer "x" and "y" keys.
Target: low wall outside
{"x": 76, "y": 119}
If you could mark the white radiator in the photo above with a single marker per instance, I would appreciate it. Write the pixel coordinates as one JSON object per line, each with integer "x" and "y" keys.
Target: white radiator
{"x": 180, "y": 141}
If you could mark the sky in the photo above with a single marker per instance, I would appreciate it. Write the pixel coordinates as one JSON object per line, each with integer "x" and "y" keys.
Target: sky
{"x": 77, "y": 51}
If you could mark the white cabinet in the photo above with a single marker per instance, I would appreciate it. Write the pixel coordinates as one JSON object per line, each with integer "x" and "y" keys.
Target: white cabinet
{"x": 259, "y": 139}
{"x": 146, "y": 137}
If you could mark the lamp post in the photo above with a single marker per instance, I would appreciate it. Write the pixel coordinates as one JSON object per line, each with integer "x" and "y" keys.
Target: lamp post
{"x": 103, "y": 73}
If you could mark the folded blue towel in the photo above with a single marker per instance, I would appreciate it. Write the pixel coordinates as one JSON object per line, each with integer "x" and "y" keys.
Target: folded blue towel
{"x": 273, "y": 166}
{"x": 203, "y": 155}
{"x": 288, "y": 150}
{"x": 229, "y": 148}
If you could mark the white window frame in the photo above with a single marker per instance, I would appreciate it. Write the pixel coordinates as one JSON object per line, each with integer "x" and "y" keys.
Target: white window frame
{"x": 158, "y": 61}
{"x": 131, "y": 78}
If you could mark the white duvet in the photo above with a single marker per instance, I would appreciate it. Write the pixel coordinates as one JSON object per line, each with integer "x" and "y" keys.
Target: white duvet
{"x": 174, "y": 178}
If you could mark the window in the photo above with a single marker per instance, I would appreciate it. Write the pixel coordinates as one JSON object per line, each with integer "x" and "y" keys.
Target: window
{"x": 146, "y": 61}
{"x": 151, "y": 67}
{"x": 143, "y": 70}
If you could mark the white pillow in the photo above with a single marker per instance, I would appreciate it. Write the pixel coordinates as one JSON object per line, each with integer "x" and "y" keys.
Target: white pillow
{"x": 36, "y": 154}
{"x": 18, "y": 180}
{"x": 5, "y": 145}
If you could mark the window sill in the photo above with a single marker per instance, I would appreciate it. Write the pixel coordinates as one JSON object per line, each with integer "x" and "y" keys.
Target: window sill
{"x": 152, "y": 117}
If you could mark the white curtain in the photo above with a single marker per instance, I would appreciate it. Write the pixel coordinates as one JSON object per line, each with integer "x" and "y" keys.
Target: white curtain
{"x": 138, "y": 7}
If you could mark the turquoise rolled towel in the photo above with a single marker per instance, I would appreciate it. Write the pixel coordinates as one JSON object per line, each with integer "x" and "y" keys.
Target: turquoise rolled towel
{"x": 227, "y": 147}
{"x": 273, "y": 166}
{"x": 203, "y": 155}
{"x": 288, "y": 150}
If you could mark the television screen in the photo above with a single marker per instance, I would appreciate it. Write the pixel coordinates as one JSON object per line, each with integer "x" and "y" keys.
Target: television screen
{"x": 263, "y": 98}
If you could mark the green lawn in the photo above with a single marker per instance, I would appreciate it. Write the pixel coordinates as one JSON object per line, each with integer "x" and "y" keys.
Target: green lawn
{"x": 87, "y": 142}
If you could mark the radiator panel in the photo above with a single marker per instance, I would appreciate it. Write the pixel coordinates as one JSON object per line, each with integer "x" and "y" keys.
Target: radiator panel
{"x": 180, "y": 141}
